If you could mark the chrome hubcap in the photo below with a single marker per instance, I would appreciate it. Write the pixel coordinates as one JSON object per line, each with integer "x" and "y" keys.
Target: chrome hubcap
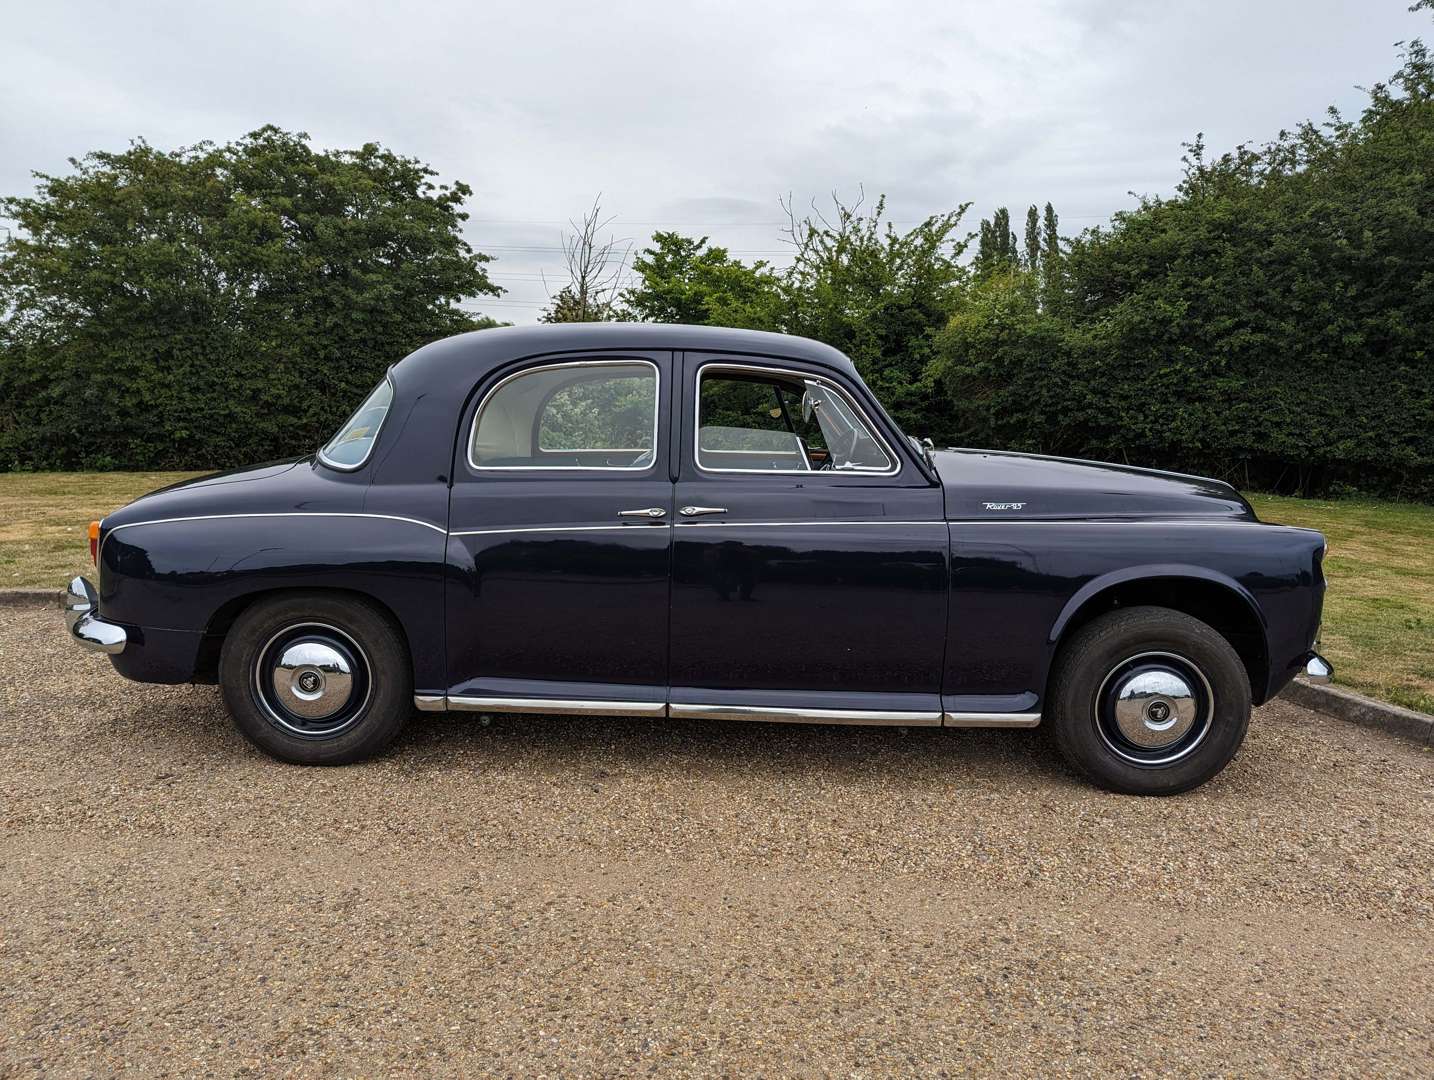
{"x": 312, "y": 680}
{"x": 1154, "y": 708}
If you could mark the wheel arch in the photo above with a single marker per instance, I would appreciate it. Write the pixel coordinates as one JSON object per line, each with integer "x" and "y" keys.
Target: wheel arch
{"x": 1214, "y": 598}
{"x": 224, "y": 617}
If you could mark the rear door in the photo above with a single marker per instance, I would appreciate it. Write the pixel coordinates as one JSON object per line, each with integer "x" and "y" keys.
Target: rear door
{"x": 809, "y": 552}
{"x": 560, "y": 536}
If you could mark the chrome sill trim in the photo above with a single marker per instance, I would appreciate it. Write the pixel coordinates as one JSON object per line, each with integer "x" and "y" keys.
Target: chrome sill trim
{"x": 793, "y": 524}
{"x": 775, "y": 714}
{"x": 997, "y": 720}
{"x": 686, "y": 711}
{"x": 557, "y": 706}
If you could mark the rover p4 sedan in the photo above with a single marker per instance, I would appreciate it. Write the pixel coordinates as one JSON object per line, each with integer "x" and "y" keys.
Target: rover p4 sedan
{"x": 708, "y": 524}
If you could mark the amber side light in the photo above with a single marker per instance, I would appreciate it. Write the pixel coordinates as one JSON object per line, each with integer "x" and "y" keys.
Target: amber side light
{"x": 95, "y": 542}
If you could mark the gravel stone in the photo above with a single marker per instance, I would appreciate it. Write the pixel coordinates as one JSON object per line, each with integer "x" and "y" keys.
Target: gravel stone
{"x": 574, "y": 897}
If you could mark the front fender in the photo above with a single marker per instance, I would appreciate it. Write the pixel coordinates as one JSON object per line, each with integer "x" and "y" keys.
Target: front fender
{"x": 1150, "y": 572}
{"x": 176, "y": 575}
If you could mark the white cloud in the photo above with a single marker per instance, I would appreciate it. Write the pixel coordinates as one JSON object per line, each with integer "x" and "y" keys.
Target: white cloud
{"x": 699, "y": 115}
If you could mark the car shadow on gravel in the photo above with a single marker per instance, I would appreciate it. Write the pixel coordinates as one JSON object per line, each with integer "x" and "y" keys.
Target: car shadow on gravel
{"x": 190, "y": 723}
{"x": 711, "y": 747}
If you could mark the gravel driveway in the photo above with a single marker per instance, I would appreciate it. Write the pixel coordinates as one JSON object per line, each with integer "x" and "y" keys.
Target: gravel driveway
{"x": 571, "y": 897}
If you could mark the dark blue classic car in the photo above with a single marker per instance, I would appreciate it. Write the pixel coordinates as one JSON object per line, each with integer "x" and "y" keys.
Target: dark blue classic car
{"x": 674, "y": 521}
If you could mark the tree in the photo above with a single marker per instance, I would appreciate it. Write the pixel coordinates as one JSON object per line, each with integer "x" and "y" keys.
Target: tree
{"x": 996, "y": 251}
{"x": 855, "y": 282}
{"x": 1269, "y": 323}
{"x": 595, "y": 271}
{"x": 1033, "y": 239}
{"x": 214, "y": 305}
{"x": 1052, "y": 274}
{"x": 879, "y": 295}
{"x": 681, "y": 279}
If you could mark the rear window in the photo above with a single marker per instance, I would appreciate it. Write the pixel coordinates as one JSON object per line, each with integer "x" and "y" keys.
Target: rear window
{"x": 352, "y": 445}
{"x": 590, "y": 414}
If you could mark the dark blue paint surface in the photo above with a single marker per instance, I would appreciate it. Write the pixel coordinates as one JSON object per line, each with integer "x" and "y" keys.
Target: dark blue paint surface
{"x": 955, "y": 577}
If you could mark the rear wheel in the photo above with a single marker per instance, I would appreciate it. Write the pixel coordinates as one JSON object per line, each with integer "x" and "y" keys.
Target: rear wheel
{"x": 315, "y": 678}
{"x": 1149, "y": 701}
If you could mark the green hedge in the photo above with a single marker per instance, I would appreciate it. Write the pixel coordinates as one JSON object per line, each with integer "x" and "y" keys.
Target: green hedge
{"x": 1271, "y": 323}
{"x": 216, "y": 306}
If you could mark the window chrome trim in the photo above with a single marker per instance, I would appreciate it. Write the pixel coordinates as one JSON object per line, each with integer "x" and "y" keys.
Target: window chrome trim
{"x": 373, "y": 442}
{"x": 593, "y": 363}
{"x": 804, "y": 376}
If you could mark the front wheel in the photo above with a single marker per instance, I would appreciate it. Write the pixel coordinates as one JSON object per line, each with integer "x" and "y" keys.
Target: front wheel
{"x": 1149, "y": 701}
{"x": 316, "y": 678}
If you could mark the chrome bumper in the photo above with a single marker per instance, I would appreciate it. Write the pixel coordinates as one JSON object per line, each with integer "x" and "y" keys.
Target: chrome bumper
{"x": 1318, "y": 669}
{"x": 79, "y": 604}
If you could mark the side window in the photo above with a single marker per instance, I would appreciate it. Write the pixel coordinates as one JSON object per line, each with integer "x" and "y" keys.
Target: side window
{"x": 593, "y": 415}
{"x": 353, "y": 443}
{"x": 755, "y": 420}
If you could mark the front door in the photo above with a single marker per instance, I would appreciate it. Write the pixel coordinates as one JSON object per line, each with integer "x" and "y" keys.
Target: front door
{"x": 560, "y": 539}
{"x": 809, "y": 552}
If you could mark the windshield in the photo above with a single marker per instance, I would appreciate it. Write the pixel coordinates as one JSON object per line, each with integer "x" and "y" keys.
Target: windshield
{"x": 351, "y": 446}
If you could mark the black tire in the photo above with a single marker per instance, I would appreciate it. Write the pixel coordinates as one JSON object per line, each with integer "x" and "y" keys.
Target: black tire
{"x": 283, "y": 664}
{"x": 1116, "y": 707}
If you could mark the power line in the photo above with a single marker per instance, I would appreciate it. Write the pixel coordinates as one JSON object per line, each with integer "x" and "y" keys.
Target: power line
{"x": 557, "y": 249}
{"x": 723, "y": 224}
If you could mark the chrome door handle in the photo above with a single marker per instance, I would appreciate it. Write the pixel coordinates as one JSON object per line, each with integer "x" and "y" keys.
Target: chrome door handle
{"x": 649, "y": 512}
{"x": 701, "y": 511}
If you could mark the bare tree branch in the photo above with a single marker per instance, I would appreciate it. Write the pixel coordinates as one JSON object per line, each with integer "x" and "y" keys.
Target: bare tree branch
{"x": 596, "y": 271}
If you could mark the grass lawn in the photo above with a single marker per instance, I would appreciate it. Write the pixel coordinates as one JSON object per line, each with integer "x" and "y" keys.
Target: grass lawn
{"x": 1378, "y": 616}
{"x": 44, "y": 518}
{"x": 1379, "y": 611}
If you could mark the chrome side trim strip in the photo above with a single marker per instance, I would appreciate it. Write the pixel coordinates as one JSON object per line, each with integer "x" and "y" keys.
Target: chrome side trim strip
{"x": 631, "y": 526}
{"x": 651, "y": 523}
{"x": 992, "y": 719}
{"x": 282, "y": 514}
{"x": 571, "y": 707}
{"x": 774, "y": 714}
{"x": 430, "y": 702}
{"x": 793, "y": 524}
{"x": 1165, "y": 522}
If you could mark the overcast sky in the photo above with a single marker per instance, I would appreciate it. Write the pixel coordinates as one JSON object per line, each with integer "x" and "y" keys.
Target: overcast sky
{"x": 697, "y": 116}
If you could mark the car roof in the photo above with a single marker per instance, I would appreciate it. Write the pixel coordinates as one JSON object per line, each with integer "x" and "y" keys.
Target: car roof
{"x": 458, "y": 361}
